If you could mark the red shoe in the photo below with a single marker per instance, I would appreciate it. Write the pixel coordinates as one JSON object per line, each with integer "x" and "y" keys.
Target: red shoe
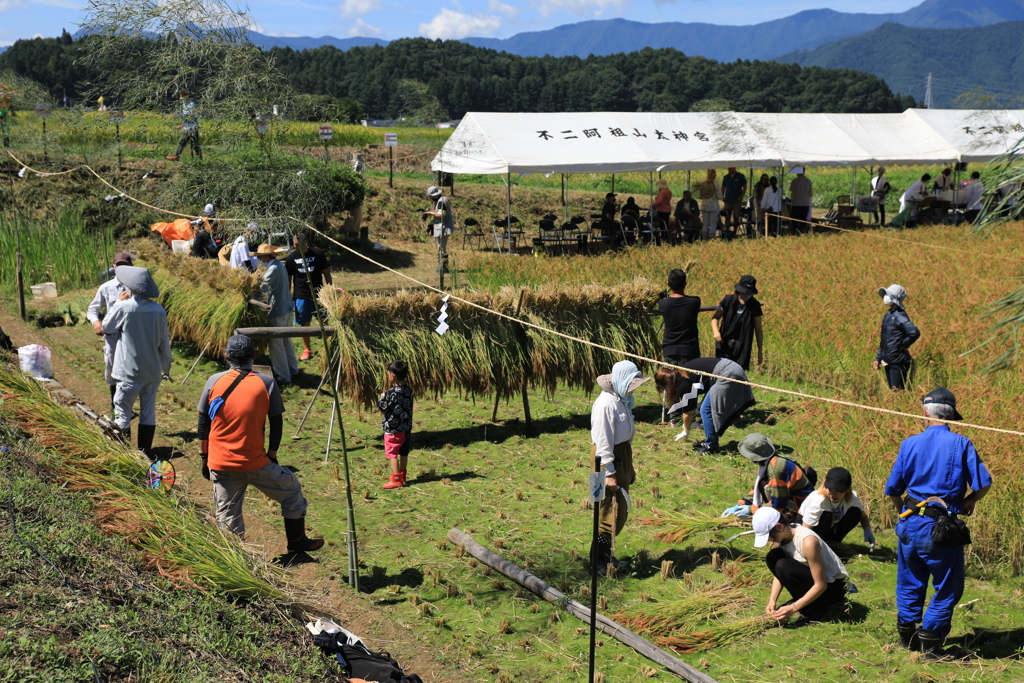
{"x": 172, "y": 158}
{"x": 306, "y": 355}
{"x": 397, "y": 481}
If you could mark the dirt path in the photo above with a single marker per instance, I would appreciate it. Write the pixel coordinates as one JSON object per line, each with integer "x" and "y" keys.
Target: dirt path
{"x": 78, "y": 365}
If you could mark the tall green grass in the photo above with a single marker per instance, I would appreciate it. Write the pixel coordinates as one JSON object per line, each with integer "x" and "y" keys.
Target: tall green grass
{"x": 64, "y": 250}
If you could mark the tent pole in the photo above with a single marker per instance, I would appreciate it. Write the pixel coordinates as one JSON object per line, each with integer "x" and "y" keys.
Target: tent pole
{"x": 613, "y": 183}
{"x": 688, "y": 188}
{"x": 565, "y": 199}
{"x": 508, "y": 208}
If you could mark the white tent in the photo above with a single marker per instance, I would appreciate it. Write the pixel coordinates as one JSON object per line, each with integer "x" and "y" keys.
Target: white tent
{"x": 608, "y": 142}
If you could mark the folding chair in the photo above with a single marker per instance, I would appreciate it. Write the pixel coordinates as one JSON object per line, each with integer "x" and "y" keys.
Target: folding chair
{"x": 471, "y": 229}
{"x": 506, "y": 233}
{"x": 550, "y": 234}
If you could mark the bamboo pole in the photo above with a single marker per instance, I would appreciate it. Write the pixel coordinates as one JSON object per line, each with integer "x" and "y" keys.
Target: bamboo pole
{"x": 549, "y": 593}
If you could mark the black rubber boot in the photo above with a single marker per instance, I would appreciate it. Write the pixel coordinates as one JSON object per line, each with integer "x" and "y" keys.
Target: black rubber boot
{"x": 295, "y": 532}
{"x": 604, "y": 554}
{"x": 908, "y": 635}
{"x": 146, "y": 433}
{"x": 931, "y": 646}
{"x": 113, "y": 391}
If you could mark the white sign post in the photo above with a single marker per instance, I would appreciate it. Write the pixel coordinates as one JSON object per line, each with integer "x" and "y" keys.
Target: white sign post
{"x": 116, "y": 117}
{"x": 391, "y": 141}
{"x": 326, "y": 133}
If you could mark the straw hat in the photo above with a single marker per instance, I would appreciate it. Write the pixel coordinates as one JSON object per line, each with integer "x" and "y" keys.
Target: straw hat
{"x": 268, "y": 250}
{"x": 661, "y": 183}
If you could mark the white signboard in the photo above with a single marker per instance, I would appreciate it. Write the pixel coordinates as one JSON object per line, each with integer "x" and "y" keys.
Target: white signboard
{"x": 391, "y": 139}
{"x": 262, "y": 126}
{"x": 43, "y": 111}
{"x": 326, "y": 132}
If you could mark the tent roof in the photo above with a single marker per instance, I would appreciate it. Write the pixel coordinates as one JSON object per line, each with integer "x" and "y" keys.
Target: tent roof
{"x": 613, "y": 142}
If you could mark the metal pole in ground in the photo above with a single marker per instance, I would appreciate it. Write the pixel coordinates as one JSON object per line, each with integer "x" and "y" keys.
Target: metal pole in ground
{"x": 597, "y": 494}
{"x": 199, "y": 358}
{"x": 323, "y": 378}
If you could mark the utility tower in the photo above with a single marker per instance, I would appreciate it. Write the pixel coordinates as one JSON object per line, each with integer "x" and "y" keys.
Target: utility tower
{"x": 928, "y": 103}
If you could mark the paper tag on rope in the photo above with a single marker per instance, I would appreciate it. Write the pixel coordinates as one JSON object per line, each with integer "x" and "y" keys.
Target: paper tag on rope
{"x": 442, "y": 328}
{"x": 446, "y": 297}
{"x": 692, "y": 393}
{"x": 597, "y": 488}
{"x": 441, "y": 318}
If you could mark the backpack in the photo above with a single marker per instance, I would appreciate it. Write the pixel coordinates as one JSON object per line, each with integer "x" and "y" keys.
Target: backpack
{"x": 359, "y": 661}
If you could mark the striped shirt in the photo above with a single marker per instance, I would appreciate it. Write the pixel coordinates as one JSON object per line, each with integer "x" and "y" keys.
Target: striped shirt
{"x": 781, "y": 483}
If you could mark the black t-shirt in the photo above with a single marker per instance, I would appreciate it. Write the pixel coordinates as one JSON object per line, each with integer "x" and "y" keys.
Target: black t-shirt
{"x": 680, "y": 315}
{"x": 316, "y": 262}
{"x": 737, "y": 328}
{"x": 608, "y": 211}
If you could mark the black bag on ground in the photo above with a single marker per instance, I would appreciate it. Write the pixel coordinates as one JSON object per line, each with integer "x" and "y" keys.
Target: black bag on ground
{"x": 361, "y": 662}
{"x": 5, "y": 342}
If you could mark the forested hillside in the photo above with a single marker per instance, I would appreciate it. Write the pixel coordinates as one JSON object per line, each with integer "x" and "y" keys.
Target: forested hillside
{"x": 445, "y": 79}
{"x": 464, "y": 78}
{"x": 990, "y": 58}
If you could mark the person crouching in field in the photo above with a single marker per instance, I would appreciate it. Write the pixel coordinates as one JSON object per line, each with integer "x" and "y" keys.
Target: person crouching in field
{"x": 396, "y": 404}
{"x": 233, "y": 411}
{"x": 724, "y": 400}
{"x": 801, "y": 563}
{"x": 143, "y": 354}
{"x": 835, "y": 509}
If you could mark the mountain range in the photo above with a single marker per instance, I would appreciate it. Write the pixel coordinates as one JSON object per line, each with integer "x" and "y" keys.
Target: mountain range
{"x": 989, "y": 58}
{"x": 799, "y": 32}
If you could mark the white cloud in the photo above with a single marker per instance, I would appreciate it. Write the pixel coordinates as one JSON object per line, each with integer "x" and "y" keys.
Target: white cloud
{"x": 353, "y": 7}
{"x": 596, "y": 7}
{"x": 361, "y": 28}
{"x": 498, "y": 6}
{"x": 450, "y": 25}
{"x": 7, "y": 5}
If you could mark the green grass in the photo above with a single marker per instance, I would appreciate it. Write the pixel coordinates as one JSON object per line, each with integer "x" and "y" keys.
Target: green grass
{"x": 62, "y": 249}
{"x": 113, "y": 613}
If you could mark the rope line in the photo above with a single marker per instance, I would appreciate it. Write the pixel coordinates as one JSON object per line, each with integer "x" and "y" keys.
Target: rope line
{"x": 627, "y": 354}
{"x": 754, "y": 385}
{"x": 894, "y": 239}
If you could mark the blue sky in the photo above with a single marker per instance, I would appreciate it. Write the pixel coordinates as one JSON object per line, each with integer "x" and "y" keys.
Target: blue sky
{"x": 390, "y": 19}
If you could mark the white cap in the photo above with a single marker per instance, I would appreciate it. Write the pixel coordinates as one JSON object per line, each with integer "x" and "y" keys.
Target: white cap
{"x": 208, "y": 210}
{"x": 764, "y": 521}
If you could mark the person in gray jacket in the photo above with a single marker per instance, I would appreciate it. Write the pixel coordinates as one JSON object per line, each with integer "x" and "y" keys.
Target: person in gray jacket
{"x": 897, "y": 335}
{"x": 444, "y": 224}
{"x": 275, "y": 287}
{"x": 143, "y": 354}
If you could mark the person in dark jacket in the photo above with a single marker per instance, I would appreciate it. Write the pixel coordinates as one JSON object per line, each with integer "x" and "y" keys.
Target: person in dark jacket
{"x": 897, "y": 335}
{"x": 736, "y": 324}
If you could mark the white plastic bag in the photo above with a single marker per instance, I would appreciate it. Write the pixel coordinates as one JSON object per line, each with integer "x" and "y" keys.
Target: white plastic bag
{"x": 35, "y": 361}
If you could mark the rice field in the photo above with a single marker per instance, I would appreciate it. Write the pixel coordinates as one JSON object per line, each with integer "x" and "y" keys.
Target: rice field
{"x": 64, "y": 250}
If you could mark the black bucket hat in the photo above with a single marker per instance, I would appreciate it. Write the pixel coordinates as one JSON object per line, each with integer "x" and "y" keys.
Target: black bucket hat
{"x": 746, "y": 286}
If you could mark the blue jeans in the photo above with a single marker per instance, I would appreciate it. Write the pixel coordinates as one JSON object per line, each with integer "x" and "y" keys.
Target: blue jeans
{"x": 710, "y": 436}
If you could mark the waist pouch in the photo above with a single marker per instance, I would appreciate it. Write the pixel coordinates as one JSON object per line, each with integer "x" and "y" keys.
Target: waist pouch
{"x": 949, "y": 531}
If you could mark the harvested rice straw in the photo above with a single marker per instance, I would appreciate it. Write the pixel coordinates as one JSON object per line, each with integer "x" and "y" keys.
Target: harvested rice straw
{"x": 687, "y": 613}
{"x": 205, "y": 301}
{"x": 482, "y": 353}
{"x": 717, "y": 636}
{"x": 678, "y": 529}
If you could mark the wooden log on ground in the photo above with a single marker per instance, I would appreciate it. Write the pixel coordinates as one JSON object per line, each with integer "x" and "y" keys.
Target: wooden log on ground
{"x": 549, "y": 593}
{"x": 284, "y": 332}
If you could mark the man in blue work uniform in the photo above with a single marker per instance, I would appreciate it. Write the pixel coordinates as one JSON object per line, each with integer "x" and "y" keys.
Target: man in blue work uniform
{"x": 934, "y": 469}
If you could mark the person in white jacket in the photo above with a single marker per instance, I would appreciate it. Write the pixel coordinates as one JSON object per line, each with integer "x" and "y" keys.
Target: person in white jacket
{"x": 771, "y": 203}
{"x": 101, "y": 304}
{"x": 611, "y": 431}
